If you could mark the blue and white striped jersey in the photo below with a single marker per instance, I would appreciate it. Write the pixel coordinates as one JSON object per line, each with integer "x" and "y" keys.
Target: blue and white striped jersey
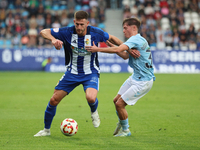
{"x": 77, "y": 59}
{"x": 143, "y": 66}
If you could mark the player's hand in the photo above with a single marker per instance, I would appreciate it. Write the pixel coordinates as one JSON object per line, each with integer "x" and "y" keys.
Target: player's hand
{"x": 92, "y": 48}
{"x": 57, "y": 44}
{"x": 134, "y": 53}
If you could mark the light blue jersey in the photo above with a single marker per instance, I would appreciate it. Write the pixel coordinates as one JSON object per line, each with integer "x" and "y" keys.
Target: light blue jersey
{"x": 143, "y": 66}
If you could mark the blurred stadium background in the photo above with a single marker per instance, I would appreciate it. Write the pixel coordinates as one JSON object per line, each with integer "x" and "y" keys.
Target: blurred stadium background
{"x": 172, "y": 29}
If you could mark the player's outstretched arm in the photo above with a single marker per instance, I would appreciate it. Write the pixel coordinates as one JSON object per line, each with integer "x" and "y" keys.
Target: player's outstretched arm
{"x": 134, "y": 53}
{"x": 115, "y": 49}
{"x": 122, "y": 54}
{"x": 46, "y": 33}
{"x": 114, "y": 40}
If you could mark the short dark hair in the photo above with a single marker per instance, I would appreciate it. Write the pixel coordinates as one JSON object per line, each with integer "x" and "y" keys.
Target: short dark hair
{"x": 81, "y": 15}
{"x": 132, "y": 21}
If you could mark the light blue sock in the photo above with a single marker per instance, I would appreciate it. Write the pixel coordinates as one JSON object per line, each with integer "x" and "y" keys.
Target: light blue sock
{"x": 117, "y": 115}
{"x": 124, "y": 124}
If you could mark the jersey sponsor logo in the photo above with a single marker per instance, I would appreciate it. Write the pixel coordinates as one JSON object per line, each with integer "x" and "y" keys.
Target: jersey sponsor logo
{"x": 55, "y": 29}
{"x": 80, "y": 51}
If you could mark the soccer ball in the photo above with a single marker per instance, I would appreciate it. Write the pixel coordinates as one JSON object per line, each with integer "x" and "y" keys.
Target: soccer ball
{"x": 69, "y": 127}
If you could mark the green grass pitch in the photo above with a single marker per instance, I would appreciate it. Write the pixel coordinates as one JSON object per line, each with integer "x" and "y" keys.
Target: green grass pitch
{"x": 167, "y": 118}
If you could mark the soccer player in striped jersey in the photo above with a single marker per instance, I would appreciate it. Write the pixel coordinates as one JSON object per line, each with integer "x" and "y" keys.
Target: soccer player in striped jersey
{"x": 140, "y": 82}
{"x": 82, "y": 66}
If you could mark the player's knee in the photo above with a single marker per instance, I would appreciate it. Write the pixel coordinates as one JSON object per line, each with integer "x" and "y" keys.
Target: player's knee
{"x": 53, "y": 101}
{"x": 119, "y": 104}
{"x": 90, "y": 99}
{"x": 114, "y": 100}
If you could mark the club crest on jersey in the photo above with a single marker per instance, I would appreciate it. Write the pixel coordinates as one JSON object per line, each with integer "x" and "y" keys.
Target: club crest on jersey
{"x": 87, "y": 42}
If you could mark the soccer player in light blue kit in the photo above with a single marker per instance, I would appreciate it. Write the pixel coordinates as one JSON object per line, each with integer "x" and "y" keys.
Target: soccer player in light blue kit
{"x": 140, "y": 82}
{"x": 82, "y": 66}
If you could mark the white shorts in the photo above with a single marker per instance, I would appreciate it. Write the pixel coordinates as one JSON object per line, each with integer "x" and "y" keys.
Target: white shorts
{"x": 131, "y": 90}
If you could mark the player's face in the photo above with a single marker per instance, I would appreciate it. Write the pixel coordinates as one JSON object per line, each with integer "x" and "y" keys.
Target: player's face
{"x": 81, "y": 26}
{"x": 127, "y": 30}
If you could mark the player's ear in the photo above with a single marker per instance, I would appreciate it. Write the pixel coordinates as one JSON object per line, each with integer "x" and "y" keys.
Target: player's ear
{"x": 134, "y": 27}
{"x": 88, "y": 23}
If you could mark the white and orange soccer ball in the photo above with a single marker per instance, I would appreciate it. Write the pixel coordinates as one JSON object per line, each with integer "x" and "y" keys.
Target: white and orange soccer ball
{"x": 69, "y": 127}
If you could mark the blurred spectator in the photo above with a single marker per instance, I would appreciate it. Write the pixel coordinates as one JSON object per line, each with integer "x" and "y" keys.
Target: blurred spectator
{"x": 16, "y": 40}
{"x": 48, "y": 20}
{"x": 2, "y": 33}
{"x": 10, "y": 19}
{"x": 3, "y": 3}
{"x": 127, "y": 13}
{"x": 24, "y": 41}
{"x": 32, "y": 33}
{"x": 164, "y": 3}
{"x": 165, "y": 11}
{"x": 151, "y": 21}
{"x": 134, "y": 11}
{"x": 24, "y": 29}
{"x": 70, "y": 14}
{"x": 71, "y": 4}
{"x": 93, "y": 3}
{"x": 149, "y": 10}
{"x": 56, "y": 24}
{"x": 40, "y": 41}
{"x": 157, "y": 15}
{"x": 191, "y": 31}
{"x": 26, "y": 4}
{"x": 152, "y": 40}
{"x": 2, "y": 14}
{"x": 192, "y": 42}
{"x": 85, "y": 2}
{"x": 34, "y": 2}
{"x": 141, "y": 10}
{"x": 9, "y": 32}
{"x": 92, "y": 19}
{"x": 174, "y": 25}
{"x": 41, "y": 10}
{"x": 183, "y": 39}
{"x": 160, "y": 38}
{"x": 176, "y": 40}
{"x": 102, "y": 4}
{"x": 168, "y": 38}
{"x": 40, "y": 20}
{"x": 32, "y": 10}
{"x": 64, "y": 19}
{"x": 18, "y": 4}
{"x": 193, "y": 6}
{"x": 101, "y": 15}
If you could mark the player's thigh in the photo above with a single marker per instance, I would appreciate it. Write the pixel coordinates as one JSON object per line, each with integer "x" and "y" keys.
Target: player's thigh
{"x": 58, "y": 95}
{"x": 116, "y": 98}
{"x": 67, "y": 83}
{"x": 136, "y": 91}
{"x": 120, "y": 103}
{"x": 91, "y": 87}
{"x": 125, "y": 86}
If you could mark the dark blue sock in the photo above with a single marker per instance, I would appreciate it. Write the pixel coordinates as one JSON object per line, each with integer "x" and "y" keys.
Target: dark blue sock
{"x": 49, "y": 114}
{"x": 93, "y": 106}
